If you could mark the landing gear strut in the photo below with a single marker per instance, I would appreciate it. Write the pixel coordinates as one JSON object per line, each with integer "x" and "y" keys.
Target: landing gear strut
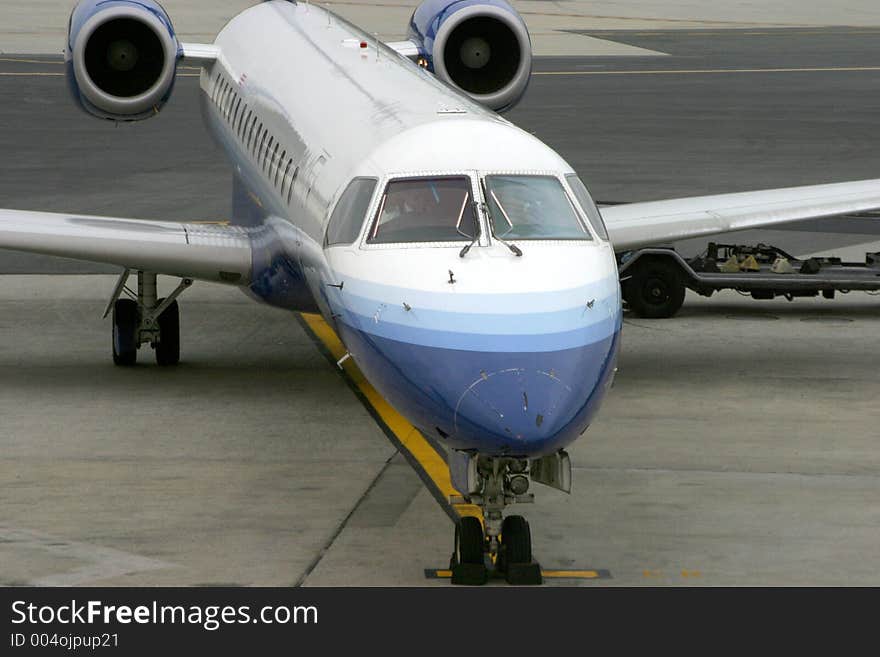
{"x": 143, "y": 318}
{"x": 499, "y": 546}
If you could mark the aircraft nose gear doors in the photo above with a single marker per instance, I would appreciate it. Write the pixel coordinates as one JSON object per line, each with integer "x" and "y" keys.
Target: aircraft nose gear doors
{"x": 144, "y": 318}
{"x": 498, "y": 546}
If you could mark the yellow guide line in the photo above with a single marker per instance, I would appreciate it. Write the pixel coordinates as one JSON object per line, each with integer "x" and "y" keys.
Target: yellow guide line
{"x": 706, "y": 71}
{"x": 694, "y": 71}
{"x": 732, "y": 31}
{"x": 31, "y": 75}
{"x": 433, "y": 465}
{"x": 29, "y": 61}
{"x": 16, "y": 60}
{"x": 551, "y": 574}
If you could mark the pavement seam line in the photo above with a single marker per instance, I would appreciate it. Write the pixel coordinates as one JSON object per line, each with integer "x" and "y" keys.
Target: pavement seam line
{"x": 329, "y": 544}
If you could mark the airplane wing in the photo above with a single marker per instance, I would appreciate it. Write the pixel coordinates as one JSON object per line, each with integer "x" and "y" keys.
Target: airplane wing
{"x": 211, "y": 252}
{"x": 634, "y": 225}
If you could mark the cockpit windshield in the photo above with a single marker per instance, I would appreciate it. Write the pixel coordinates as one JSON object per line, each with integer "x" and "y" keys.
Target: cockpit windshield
{"x": 425, "y": 210}
{"x": 532, "y": 208}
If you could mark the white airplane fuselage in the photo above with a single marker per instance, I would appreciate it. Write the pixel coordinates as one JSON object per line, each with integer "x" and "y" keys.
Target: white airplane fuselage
{"x": 488, "y": 351}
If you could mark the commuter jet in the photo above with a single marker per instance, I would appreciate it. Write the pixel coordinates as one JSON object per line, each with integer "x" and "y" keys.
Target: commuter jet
{"x": 461, "y": 261}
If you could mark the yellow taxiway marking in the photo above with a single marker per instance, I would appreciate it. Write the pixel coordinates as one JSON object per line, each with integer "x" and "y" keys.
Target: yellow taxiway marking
{"x": 711, "y": 71}
{"x": 30, "y": 61}
{"x": 551, "y": 574}
{"x": 31, "y": 75}
{"x": 50, "y": 62}
{"x": 671, "y": 71}
{"x": 733, "y": 31}
{"x": 571, "y": 574}
{"x": 432, "y": 464}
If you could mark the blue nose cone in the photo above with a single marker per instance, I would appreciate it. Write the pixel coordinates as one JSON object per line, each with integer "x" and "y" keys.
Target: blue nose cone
{"x": 513, "y": 403}
{"x": 536, "y": 404}
{"x": 518, "y": 403}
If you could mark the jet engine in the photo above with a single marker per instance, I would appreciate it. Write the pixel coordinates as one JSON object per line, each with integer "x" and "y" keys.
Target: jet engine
{"x": 482, "y": 47}
{"x": 121, "y": 58}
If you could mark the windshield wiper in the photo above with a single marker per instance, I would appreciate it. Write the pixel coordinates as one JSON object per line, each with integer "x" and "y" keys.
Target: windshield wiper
{"x": 513, "y": 247}
{"x": 464, "y": 251}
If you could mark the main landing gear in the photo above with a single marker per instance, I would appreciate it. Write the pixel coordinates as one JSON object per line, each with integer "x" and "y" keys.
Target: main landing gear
{"x": 499, "y": 546}
{"x": 143, "y": 318}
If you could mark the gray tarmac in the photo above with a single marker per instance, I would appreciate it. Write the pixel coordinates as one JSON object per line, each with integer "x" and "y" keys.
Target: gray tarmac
{"x": 738, "y": 447}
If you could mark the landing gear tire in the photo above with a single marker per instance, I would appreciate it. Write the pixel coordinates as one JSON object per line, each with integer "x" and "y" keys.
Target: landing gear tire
{"x": 168, "y": 347}
{"x": 516, "y": 553}
{"x": 469, "y": 540}
{"x": 655, "y": 289}
{"x": 468, "y": 565}
{"x": 125, "y": 327}
{"x": 516, "y": 540}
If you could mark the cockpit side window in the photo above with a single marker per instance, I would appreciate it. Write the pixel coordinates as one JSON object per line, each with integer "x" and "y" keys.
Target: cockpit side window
{"x": 588, "y": 205}
{"x": 348, "y": 215}
{"x": 437, "y": 209}
{"x": 532, "y": 208}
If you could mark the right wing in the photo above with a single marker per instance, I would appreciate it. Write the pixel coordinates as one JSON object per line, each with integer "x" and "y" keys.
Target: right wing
{"x": 634, "y": 225}
{"x": 210, "y": 252}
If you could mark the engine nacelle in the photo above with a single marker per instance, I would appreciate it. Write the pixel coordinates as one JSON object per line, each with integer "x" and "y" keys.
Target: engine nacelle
{"x": 480, "y": 46}
{"x": 121, "y": 58}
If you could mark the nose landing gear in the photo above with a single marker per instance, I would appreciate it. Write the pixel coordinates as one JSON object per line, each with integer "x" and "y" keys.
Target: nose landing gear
{"x": 497, "y": 547}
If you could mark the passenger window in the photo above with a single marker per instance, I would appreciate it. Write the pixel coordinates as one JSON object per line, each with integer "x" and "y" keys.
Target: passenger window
{"x": 251, "y": 132}
{"x": 265, "y": 134}
{"x": 266, "y": 154}
{"x": 292, "y": 180}
{"x": 425, "y": 210}
{"x": 278, "y": 168}
{"x": 274, "y": 164}
{"x": 286, "y": 177}
{"x": 348, "y": 215}
{"x": 588, "y": 205}
{"x": 240, "y": 122}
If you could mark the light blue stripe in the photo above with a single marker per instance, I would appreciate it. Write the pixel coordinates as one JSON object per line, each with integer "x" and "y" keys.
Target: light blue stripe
{"x": 523, "y": 322}
{"x": 484, "y": 342}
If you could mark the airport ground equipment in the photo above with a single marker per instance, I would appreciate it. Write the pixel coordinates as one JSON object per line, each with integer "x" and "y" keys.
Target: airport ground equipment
{"x": 653, "y": 280}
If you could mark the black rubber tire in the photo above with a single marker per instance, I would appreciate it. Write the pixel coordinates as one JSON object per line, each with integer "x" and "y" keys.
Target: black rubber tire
{"x": 125, "y": 326}
{"x": 655, "y": 289}
{"x": 516, "y": 540}
{"x": 469, "y": 541}
{"x": 168, "y": 347}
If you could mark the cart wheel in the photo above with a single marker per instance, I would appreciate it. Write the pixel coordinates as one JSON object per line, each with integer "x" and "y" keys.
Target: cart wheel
{"x": 655, "y": 288}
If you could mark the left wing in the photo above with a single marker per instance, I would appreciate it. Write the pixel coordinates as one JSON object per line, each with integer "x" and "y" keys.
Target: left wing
{"x": 635, "y": 225}
{"x": 210, "y": 252}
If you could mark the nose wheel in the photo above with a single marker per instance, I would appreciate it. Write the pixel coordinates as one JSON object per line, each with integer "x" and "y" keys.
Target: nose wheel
{"x": 498, "y": 547}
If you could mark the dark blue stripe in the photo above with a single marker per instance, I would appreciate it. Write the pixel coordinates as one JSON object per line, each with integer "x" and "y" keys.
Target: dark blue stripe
{"x": 515, "y": 403}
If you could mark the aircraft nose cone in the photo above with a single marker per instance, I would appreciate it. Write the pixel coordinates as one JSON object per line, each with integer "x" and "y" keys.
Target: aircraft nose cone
{"x": 518, "y": 404}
